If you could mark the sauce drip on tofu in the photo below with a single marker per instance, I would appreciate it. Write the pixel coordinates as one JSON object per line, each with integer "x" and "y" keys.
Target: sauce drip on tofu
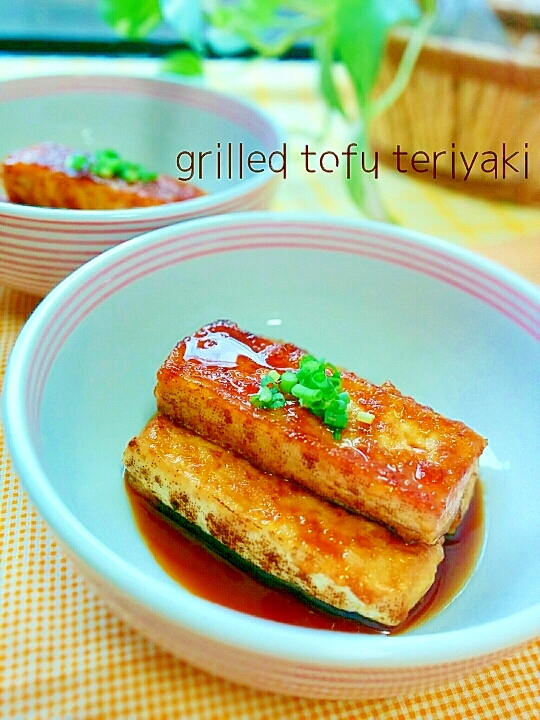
{"x": 222, "y": 349}
{"x": 207, "y": 575}
{"x": 227, "y": 348}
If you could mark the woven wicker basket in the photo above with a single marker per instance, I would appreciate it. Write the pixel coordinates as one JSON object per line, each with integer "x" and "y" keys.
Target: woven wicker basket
{"x": 467, "y": 97}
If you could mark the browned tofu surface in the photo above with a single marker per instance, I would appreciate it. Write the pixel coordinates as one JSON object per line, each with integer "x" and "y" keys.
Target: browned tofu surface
{"x": 338, "y": 557}
{"x": 411, "y": 468}
{"x": 39, "y": 176}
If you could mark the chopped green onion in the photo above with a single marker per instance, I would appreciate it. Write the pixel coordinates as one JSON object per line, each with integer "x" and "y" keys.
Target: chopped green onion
{"x": 308, "y": 367}
{"x": 265, "y": 396}
{"x": 78, "y": 162}
{"x": 129, "y": 173}
{"x": 109, "y": 164}
{"x": 107, "y": 155}
{"x": 288, "y": 381}
{"x": 147, "y": 176}
{"x": 364, "y": 417}
{"x": 268, "y": 396}
{"x": 316, "y": 385}
{"x": 307, "y": 396}
{"x": 273, "y": 376}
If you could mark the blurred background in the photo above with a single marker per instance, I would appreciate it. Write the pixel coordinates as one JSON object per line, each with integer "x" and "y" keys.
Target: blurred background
{"x": 475, "y": 83}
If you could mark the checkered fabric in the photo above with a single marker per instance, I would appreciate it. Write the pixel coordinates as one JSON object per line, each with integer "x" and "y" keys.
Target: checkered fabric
{"x": 63, "y": 654}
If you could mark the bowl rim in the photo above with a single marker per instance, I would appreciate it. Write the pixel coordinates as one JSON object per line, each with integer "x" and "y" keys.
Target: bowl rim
{"x": 176, "y": 210}
{"x": 233, "y": 628}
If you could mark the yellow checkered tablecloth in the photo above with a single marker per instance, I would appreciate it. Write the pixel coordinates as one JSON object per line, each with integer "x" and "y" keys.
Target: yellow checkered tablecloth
{"x": 63, "y": 654}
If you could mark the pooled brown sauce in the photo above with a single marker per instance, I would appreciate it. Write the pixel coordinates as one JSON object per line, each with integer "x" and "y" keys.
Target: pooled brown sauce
{"x": 207, "y": 575}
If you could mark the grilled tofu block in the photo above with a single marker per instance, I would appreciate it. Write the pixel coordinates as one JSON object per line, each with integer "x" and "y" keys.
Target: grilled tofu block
{"x": 39, "y": 176}
{"x": 411, "y": 468}
{"x": 335, "y": 556}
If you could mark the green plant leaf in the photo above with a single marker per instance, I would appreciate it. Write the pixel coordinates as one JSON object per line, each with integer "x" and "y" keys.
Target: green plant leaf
{"x": 429, "y": 6}
{"x": 353, "y": 31}
{"x": 270, "y": 27}
{"x": 406, "y": 66}
{"x": 361, "y": 31}
{"x": 183, "y": 62}
{"x": 131, "y": 19}
{"x": 186, "y": 17}
{"x": 323, "y": 46}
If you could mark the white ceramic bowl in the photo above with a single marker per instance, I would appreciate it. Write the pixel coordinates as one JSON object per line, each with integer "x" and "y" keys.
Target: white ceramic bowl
{"x": 148, "y": 121}
{"x": 446, "y": 326}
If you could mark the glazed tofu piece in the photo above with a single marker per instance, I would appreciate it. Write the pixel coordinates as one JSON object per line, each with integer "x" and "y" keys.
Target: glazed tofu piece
{"x": 409, "y": 468}
{"x": 41, "y": 175}
{"x": 337, "y": 557}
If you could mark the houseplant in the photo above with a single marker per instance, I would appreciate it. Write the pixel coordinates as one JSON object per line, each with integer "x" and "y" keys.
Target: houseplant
{"x": 351, "y": 32}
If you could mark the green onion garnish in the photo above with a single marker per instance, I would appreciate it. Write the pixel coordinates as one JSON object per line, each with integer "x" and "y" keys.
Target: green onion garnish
{"x": 365, "y": 417}
{"x": 288, "y": 380}
{"x": 78, "y": 162}
{"x": 316, "y": 385}
{"x": 308, "y": 397}
{"x": 268, "y": 396}
{"x": 109, "y": 164}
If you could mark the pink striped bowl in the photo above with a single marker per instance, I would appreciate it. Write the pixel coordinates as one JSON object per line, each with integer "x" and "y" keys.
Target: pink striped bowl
{"x": 148, "y": 120}
{"x": 446, "y": 326}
